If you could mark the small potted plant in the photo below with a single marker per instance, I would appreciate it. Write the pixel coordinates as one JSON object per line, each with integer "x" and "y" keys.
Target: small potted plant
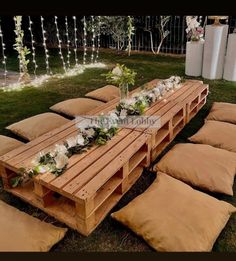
{"x": 123, "y": 77}
{"x": 194, "y": 47}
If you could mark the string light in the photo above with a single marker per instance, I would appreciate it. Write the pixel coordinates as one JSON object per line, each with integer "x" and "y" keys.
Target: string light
{"x": 98, "y": 38}
{"x": 59, "y": 44}
{"x": 75, "y": 49}
{"x": 4, "y": 58}
{"x": 67, "y": 43}
{"x": 85, "y": 41}
{"x": 19, "y": 57}
{"x": 45, "y": 47}
{"x": 93, "y": 38}
{"x": 32, "y": 46}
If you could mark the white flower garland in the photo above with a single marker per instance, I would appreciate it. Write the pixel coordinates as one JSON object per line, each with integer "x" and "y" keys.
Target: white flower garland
{"x": 140, "y": 101}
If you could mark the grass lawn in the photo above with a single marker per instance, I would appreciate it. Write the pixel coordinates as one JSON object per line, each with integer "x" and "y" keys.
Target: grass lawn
{"x": 109, "y": 236}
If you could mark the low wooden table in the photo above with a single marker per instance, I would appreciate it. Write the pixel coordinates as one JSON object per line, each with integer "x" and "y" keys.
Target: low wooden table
{"x": 95, "y": 181}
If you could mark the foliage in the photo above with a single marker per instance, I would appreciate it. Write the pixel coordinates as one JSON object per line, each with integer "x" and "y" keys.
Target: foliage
{"x": 22, "y": 50}
{"x": 121, "y": 75}
{"x": 116, "y": 26}
{"x": 131, "y": 29}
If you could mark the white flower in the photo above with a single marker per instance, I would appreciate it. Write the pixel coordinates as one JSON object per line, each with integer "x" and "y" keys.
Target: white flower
{"x": 80, "y": 140}
{"x": 72, "y": 142}
{"x": 61, "y": 160}
{"x": 156, "y": 91}
{"x": 36, "y": 160}
{"x": 60, "y": 149}
{"x": 113, "y": 117}
{"x": 89, "y": 132}
{"x": 105, "y": 130}
{"x": 130, "y": 101}
{"x": 123, "y": 114}
{"x": 117, "y": 71}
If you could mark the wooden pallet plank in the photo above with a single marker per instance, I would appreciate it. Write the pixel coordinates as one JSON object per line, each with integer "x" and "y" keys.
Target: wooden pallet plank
{"x": 84, "y": 160}
{"x": 91, "y": 187}
{"x": 91, "y": 171}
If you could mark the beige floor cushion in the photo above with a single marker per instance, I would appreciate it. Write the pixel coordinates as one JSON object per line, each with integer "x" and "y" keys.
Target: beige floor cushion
{"x": 172, "y": 216}
{"x": 37, "y": 125}
{"x": 222, "y": 111}
{"x": 22, "y": 232}
{"x": 105, "y": 94}
{"x": 75, "y": 107}
{"x": 202, "y": 166}
{"x": 7, "y": 144}
{"x": 218, "y": 134}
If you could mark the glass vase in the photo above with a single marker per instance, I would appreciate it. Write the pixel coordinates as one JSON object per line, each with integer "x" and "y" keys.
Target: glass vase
{"x": 124, "y": 91}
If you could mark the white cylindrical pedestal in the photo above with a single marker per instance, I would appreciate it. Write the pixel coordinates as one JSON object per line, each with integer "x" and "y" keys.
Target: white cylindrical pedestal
{"x": 214, "y": 51}
{"x": 193, "y": 60}
{"x": 230, "y": 59}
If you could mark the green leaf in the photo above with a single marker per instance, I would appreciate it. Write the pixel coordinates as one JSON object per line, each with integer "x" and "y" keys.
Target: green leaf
{"x": 16, "y": 181}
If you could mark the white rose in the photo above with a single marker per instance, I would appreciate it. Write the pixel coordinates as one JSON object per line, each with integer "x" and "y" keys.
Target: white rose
{"x": 60, "y": 149}
{"x": 72, "y": 142}
{"x": 113, "y": 117}
{"x": 61, "y": 160}
{"x": 117, "y": 71}
{"x": 123, "y": 114}
{"x": 89, "y": 132}
{"x": 80, "y": 140}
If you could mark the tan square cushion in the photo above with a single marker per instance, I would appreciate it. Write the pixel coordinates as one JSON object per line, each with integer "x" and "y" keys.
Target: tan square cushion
{"x": 22, "y": 232}
{"x": 75, "y": 107}
{"x": 172, "y": 216}
{"x": 222, "y": 111}
{"x": 7, "y": 144}
{"x": 218, "y": 134}
{"x": 202, "y": 166}
{"x": 35, "y": 126}
{"x": 105, "y": 94}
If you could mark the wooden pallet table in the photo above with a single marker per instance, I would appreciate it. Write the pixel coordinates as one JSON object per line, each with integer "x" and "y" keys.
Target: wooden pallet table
{"x": 92, "y": 184}
{"x": 95, "y": 181}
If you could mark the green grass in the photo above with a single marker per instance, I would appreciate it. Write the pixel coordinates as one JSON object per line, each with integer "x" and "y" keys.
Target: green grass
{"x": 110, "y": 236}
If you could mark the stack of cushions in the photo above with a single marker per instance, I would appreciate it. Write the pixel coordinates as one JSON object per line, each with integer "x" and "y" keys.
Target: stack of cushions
{"x": 222, "y": 111}
{"x": 35, "y": 126}
{"x": 105, "y": 94}
{"x": 201, "y": 166}
{"x": 218, "y": 134}
{"x": 172, "y": 216}
{"x": 7, "y": 144}
{"x": 21, "y": 232}
{"x": 75, "y": 107}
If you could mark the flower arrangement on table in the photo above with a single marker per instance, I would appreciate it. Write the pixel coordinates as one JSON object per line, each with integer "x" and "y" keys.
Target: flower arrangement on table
{"x": 123, "y": 77}
{"x": 56, "y": 161}
{"x": 194, "y": 31}
{"x": 137, "y": 104}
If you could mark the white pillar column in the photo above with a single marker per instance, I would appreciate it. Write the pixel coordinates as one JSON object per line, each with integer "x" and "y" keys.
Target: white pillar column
{"x": 214, "y": 51}
{"x": 230, "y": 59}
{"x": 193, "y": 60}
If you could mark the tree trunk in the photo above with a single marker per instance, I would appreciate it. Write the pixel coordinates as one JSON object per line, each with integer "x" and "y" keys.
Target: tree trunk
{"x": 159, "y": 46}
{"x": 151, "y": 39}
